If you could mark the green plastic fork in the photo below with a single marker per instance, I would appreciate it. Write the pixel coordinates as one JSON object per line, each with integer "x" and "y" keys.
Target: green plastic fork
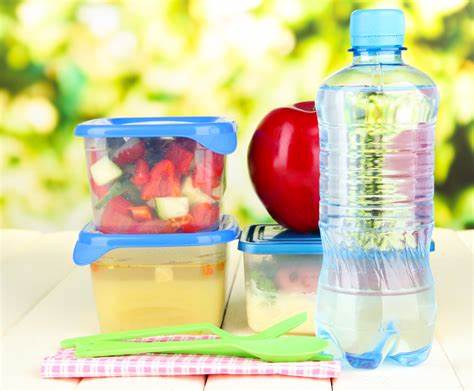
{"x": 276, "y": 330}
{"x": 280, "y": 349}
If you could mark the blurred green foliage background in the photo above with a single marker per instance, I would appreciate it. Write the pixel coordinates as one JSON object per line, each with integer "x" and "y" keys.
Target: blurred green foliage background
{"x": 62, "y": 62}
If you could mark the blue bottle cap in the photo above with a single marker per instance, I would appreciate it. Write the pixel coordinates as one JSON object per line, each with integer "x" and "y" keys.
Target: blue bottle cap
{"x": 92, "y": 245}
{"x": 375, "y": 28}
{"x": 216, "y": 133}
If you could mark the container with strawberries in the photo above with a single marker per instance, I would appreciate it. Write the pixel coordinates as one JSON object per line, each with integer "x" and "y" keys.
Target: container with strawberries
{"x": 157, "y": 175}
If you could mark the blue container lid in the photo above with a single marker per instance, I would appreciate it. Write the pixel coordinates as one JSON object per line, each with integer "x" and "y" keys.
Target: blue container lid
{"x": 92, "y": 245}
{"x": 216, "y": 133}
{"x": 275, "y": 239}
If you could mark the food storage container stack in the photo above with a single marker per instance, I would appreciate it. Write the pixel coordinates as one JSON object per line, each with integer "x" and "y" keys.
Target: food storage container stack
{"x": 157, "y": 246}
{"x": 281, "y": 275}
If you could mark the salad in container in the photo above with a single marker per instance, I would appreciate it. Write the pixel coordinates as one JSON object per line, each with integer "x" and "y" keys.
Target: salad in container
{"x": 157, "y": 174}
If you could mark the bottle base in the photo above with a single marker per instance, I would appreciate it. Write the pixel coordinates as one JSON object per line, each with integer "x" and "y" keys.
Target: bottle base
{"x": 383, "y": 351}
{"x": 410, "y": 359}
{"x": 372, "y": 360}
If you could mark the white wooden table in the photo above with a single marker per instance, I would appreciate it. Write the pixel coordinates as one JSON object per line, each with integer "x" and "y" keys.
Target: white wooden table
{"x": 45, "y": 299}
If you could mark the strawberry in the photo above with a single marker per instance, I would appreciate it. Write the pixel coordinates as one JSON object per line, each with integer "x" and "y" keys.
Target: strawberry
{"x": 218, "y": 164}
{"x": 163, "y": 182}
{"x": 116, "y": 218}
{"x": 181, "y": 157}
{"x": 99, "y": 191}
{"x": 142, "y": 173}
{"x": 204, "y": 216}
{"x": 208, "y": 172}
{"x": 186, "y": 143}
{"x": 180, "y": 222}
{"x": 155, "y": 226}
{"x": 130, "y": 152}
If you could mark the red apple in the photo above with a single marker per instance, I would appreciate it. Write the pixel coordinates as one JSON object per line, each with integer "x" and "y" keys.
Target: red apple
{"x": 283, "y": 161}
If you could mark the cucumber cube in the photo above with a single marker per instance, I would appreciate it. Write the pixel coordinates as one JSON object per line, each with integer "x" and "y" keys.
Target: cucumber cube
{"x": 104, "y": 171}
{"x": 195, "y": 195}
{"x": 171, "y": 207}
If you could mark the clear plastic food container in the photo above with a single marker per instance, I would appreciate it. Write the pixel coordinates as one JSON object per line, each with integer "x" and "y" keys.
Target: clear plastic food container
{"x": 157, "y": 175}
{"x": 281, "y": 275}
{"x": 143, "y": 281}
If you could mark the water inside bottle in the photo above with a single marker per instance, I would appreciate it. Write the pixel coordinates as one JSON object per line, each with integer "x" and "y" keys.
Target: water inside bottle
{"x": 376, "y": 296}
{"x": 377, "y": 162}
{"x": 367, "y": 328}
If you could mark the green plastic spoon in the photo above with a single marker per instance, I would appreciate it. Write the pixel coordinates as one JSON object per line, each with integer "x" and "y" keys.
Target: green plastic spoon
{"x": 274, "y": 331}
{"x": 281, "y": 349}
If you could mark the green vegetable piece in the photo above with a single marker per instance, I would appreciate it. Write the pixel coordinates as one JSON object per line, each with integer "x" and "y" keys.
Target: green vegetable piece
{"x": 124, "y": 187}
{"x": 118, "y": 188}
{"x": 263, "y": 282}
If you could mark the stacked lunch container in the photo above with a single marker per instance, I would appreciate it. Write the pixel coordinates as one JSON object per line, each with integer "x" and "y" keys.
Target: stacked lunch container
{"x": 157, "y": 245}
{"x": 281, "y": 275}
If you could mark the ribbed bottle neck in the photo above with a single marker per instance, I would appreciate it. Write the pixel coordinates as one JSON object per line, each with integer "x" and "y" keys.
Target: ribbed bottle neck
{"x": 371, "y": 56}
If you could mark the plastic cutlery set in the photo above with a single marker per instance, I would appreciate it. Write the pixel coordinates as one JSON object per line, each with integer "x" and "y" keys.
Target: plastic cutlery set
{"x": 268, "y": 345}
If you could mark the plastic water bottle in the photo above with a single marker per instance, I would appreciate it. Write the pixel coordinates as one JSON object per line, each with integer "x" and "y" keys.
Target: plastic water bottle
{"x": 375, "y": 295}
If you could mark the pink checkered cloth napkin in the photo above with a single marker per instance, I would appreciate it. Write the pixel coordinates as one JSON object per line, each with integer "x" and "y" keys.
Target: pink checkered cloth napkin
{"x": 64, "y": 364}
